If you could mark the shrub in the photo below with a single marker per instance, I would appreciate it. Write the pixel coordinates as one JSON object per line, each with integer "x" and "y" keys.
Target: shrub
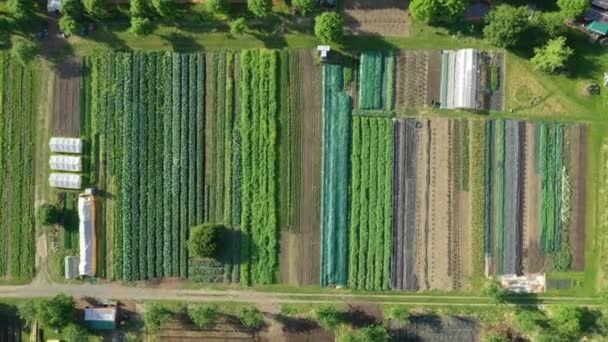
{"x": 438, "y": 10}
{"x": 75, "y": 333}
{"x": 329, "y": 317}
{"x": 164, "y": 8}
{"x": 238, "y": 26}
{"x": 561, "y": 260}
{"x": 260, "y": 8}
{"x": 528, "y": 321}
{"x": 376, "y": 333}
{"x": 506, "y": 25}
{"x": 552, "y": 56}
{"x": 329, "y": 27}
{"x": 305, "y": 6}
{"x": 217, "y": 6}
{"x": 57, "y": 312}
{"x": 251, "y": 317}
{"x": 398, "y": 313}
{"x": 572, "y": 9}
{"x": 140, "y": 26}
{"x": 567, "y": 320}
{"x": 27, "y": 312}
{"x": 155, "y": 315}
{"x": 495, "y": 290}
{"x": 21, "y": 9}
{"x": 24, "y": 51}
{"x": 48, "y": 214}
{"x": 204, "y": 316}
{"x": 203, "y": 240}
{"x": 137, "y": 8}
{"x": 68, "y": 25}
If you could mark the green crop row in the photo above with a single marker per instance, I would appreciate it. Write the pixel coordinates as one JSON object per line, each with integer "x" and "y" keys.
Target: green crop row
{"x": 551, "y": 146}
{"x": 258, "y": 130}
{"x": 477, "y": 188}
{"x": 391, "y": 65}
{"x": 499, "y": 126}
{"x": 17, "y": 119}
{"x": 370, "y": 85}
{"x": 371, "y": 212}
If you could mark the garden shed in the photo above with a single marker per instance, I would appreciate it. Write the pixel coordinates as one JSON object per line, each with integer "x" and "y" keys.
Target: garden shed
{"x": 86, "y": 230}
{"x": 598, "y": 27}
{"x": 71, "y": 267}
{"x": 65, "y": 181}
{"x": 66, "y": 163}
{"x": 100, "y": 318}
{"x": 66, "y": 145}
{"x": 460, "y": 79}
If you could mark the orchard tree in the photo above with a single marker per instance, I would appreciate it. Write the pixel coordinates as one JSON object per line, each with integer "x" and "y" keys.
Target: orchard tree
{"x": 140, "y": 26}
{"x": 567, "y": 319}
{"x": 572, "y": 9}
{"x": 96, "y": 8}
{"x": 506, "y": 25}
{"x": 329, "y": 27}
{"x": 24, "y": 51}
{"x": 48, "y": 214}
{"x": 57, "y": 312}
{"x": 72, "y": 8}
{"x": 137, "y": 9}
{"x": 68, "y": 25}
{"x": 425, "y": 10}
{"x": 203, "y": 240}
{"x": 260, "y": 8}
{"x": 21, "y": 9}
{"x": 376, "y": 333}
{"x": 551, "y": 23}
{"x": 305, "y": 6}
{"x": 238, "y": 26}
{"x": 164, "y": 8}
{"x": 204, "y": 316}
{"x": 552, "y": 56}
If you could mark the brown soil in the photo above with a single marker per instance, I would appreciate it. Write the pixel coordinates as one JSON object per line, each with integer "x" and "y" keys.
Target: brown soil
{"x": 422, "y": 193}
{"x": 578, "y": 174}
{"x": 377, "y": 17}
{"x": 433, "y": 78}
{"x": 66, "y": 111}
{"x": 533, "y": 259}
{"x": 300, "y": 260}
{"x": 411, "y": 84}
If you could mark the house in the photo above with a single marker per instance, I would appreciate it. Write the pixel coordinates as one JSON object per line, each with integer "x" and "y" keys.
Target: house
{"x": 101, "y": 318}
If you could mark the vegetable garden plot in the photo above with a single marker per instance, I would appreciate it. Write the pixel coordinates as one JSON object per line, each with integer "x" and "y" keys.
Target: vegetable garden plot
{"x": 334, "y": 206}
{"x": 477, "y": 188}
{"x": 258, "y": 147}
{"x": 377, "y": 78}
{"x": 371, "y": 203}
{"x": 147, "y": 115}
{"x": 17, "y": 122}
{"x": 551, "y": 154}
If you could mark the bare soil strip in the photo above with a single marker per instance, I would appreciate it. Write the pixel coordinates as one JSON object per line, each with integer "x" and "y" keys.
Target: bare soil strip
{"x": 66, "y": 111}
{"x": 422, "y": 204}
{"x": 411, "y": 83}
{"x": 513, "y": 174}
{"x": 532, "y": 256}
{"x": 578, "y": 172}
{"x": 377, "y": 17}
{"x": 433, "y": 78}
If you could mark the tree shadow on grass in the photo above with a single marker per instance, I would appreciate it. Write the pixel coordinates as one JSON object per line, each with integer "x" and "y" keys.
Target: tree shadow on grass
{"x": 296, "y": 325}
{"x": 182, "y": 42}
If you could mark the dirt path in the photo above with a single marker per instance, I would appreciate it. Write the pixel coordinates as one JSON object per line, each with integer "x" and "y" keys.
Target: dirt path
{"x": 377, "y": 17}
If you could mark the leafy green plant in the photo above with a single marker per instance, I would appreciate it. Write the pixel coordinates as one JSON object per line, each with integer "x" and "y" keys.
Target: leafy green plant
{"x": 204, "y": 316}
{"x": 329, "y": 27}
{"x": 251, "y": 317}
{"x": 329, "y": 317}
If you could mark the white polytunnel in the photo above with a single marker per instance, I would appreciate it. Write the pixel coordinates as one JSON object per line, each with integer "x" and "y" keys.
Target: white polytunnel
{"x": 459, "y": 79}
{"x": 86, "y": 230}
{"x": 66, "y": 145}
{"x": 66, "y": 163}
{"x": 65, "y": 181}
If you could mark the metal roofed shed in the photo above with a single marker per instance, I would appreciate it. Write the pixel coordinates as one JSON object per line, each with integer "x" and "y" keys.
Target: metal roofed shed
{"x": 86, "y": 230}
{"x": 65, "y": 181}
{"x": 598, "y": 27}
{"x": 100, "y": 318}
{"x": 66, "y": 145}
{"x": 66, "y": 163}
{"x": 71, "y": 267}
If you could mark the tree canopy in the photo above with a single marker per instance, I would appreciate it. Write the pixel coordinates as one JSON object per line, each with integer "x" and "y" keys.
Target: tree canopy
{"x": 57, "y": 312}
{"x": 75, "y": 333}
{"x": 96, "y": 8}
{"x": 21, "y": 9}
{"x": 260, "y": 8}
{"x": 155, "y": 315}
{"x": 329, "y": 27}
{"x": 164, "y": 8}
{"x": 572, "y": 9}
{"x": 238, "y": 26}
{"x": 567, "y": 319}
{"x": 137, "y": 8}
{"x": 506, "y": 25}
{"x": 68, "y": 25}
{"x": 551, "y": 57}
{"x": 140, "y": 26}
{"x": 48, "y": 214}
{"x": 72, "y": 8}
{"x": 217, "y": 6}
{"x": 203, "y": 240}
{"x": 495, "y": 290}
{"x": 438, "y": 10}
{"x": 305, "y": 6}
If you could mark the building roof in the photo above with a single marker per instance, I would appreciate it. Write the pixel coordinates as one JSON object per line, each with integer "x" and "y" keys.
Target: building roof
{"x": 100, "y": 318}
{"x": 66, "y": 145}
{"x": 595, "y": 14}
{"x": 71, "y": 267}
{"x": 598, "y": 27}
{"x": 603, "y": 4}
{"x": 66, "y": 163}
{"x": 65, "y": 181}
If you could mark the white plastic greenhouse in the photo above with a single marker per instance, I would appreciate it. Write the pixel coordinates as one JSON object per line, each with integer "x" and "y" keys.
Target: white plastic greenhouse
{"x": 66, "y": 163}
{"x": 65, "y": 181}
{"x": 459, "y": 79}
{"x": 66, "y": 145}
{"x": 86, "y": 230}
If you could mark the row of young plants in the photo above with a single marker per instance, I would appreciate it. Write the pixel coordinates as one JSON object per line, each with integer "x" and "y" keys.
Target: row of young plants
{"x": 499, "y": 183}
{"x": 370, "y": 85}
{"x": 371, "y": 207}
{"x": 148, "y": 116}
{"x": 258, "y": 119}
{"x": 477, "y": 187}
{"x": 337, "y": 109}
{"x": 17, "y": 118}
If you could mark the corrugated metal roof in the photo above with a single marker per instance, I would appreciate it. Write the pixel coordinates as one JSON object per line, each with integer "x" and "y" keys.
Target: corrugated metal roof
{"x": 100, "y": 314}
{"x": 598, "y": 27}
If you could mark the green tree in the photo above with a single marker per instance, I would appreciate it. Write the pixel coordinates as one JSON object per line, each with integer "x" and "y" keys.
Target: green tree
{"x": 96, "y": 8}
{"x": 57, "y": 312}
{"x": 251, "y": 317}
{"x": 425, "y": 10}
{"x": 217, "y": 6}
{"x": 567, "y": 319}
{"x": 27, "y": 312}
{"x": 204, "y": 316}
{"x": 238, "y": 26}
{"x": 329, "y": 317}
{"x": 529, "y": 321}
{"x": 305, "y": 6}
{"x": 137, "y": 9}
{"x": 68, "y": 25}
{"x": 506, "y": 26}
{"x": 572, "y": 9}
{"x": 495, "y": 291}
{"x": 551, "y": 23}
{"x": 155, "y": 315}
{"x": 164, "y": 8}
{"x": 72, "y": 8}
{"x": 140, "y": 26}
{"x": 203, "y": 240}
{"x": 329, "y": 27}
{"x": 24, "y": 51}
{"x": 552, "y": 56}
{"x": 21, "y": 9}
{"x": 438, "y": 10}
{"x": 48, "y": 214}
{"x": 260, "y": 8}
{"x": 75, "y": 333}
